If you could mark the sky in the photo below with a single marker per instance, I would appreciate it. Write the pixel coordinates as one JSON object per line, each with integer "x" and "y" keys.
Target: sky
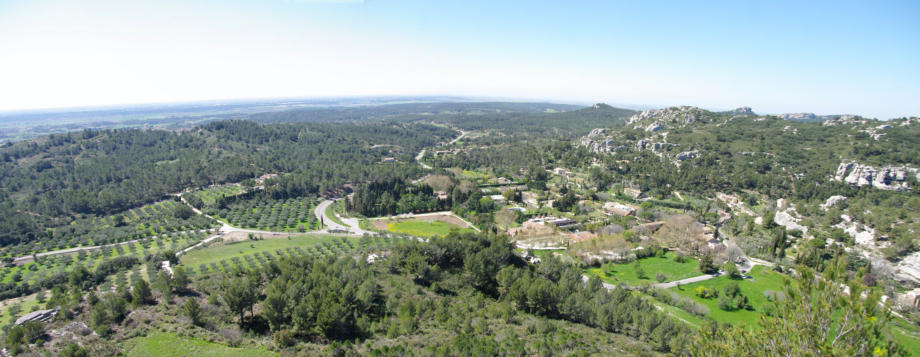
{"x": 858, "y": 57}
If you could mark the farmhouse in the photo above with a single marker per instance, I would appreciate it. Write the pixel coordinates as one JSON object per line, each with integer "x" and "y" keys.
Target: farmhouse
{"x": 619, "y": 209}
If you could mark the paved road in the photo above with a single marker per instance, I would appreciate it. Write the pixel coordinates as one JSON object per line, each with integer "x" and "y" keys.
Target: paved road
{"x": 419, "y": 159}
{"x": 421, "y": 154}
{"x": 351, "y": 224}
{"x": 694, "y": 279}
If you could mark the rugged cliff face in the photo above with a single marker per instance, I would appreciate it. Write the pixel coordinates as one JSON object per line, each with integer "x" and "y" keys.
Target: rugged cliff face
{"x": 883, "y": 178}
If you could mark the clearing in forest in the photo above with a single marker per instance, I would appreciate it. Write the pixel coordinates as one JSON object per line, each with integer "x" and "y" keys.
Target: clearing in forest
{"x": 425, "y": 226}
{"x": 168, "y": 344}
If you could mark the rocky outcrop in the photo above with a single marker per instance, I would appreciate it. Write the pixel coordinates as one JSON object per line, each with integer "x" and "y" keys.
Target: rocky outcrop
{"x": 863, "y": 234}
{"x": 908, "y": 269}
{"x": 40, "y": 315}
{"x": 800, "y": 116}
{"x": 845, "y": 119}
{"x": 883, "y": 178}
{"x": 674, "y": 115}
{"x": 687, "y": 155}
{"x": 653, "y": 127}
{"x": 831, "y": 201}
{"x": 786, "y": 219}
{"x": 646, "y": 144}
{"x": 597, "y": 141}
{"x": 743, "y": 111}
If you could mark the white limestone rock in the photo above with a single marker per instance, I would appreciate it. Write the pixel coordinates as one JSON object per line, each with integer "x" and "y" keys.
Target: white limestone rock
{"x": 831, "y": 201}
{"x": 788, "y": 220}
{"x": 883, "y": 178}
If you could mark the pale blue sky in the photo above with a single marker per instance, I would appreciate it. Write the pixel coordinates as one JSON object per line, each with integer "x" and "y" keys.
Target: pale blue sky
{"x": 860, "y": 57}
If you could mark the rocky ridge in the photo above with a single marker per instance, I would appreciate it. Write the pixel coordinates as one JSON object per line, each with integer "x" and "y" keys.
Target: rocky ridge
{"x": 883, "y": 178}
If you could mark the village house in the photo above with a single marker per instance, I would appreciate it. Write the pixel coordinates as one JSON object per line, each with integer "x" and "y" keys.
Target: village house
{"x": 619, "y": 209}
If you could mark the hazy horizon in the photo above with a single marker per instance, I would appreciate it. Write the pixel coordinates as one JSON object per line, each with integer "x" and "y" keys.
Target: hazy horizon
{"x": 776, "y": 57}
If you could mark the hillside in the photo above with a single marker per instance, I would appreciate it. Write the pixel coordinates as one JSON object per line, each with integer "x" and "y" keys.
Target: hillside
{"x": 463, "y": 229}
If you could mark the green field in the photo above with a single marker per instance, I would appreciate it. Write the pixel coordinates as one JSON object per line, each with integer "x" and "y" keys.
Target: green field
{"x": 906, "y": 335}
{"x": 424, "y": 228}
{"x": 167, "y": 344}
{"x": 763, "y": 279}
{"x": 26, "y": 304}
{"x": 626, "y": 273}
{"x": 210, "y": 195}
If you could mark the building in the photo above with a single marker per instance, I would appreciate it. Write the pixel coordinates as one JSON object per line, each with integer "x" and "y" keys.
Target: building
{"x": 561, "y": 222}
{"x": 497, "y": 198}
{"x": 619, "y": 209}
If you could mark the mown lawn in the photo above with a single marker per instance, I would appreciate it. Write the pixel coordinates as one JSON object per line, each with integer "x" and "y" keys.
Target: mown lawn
{"x": 763, "y": 280}
{"x": 421, "y": 227}
{"x": 673, "y": 270}
{"x": 168, "y": 344}
{"x": 212, "y": 255}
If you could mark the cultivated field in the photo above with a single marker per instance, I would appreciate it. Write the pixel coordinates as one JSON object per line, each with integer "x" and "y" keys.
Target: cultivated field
{"x": 426, "y": 226}
{"x": 210, "y": 195}
{"x": 291, "y": 215}
{"x": 253, "y": 254}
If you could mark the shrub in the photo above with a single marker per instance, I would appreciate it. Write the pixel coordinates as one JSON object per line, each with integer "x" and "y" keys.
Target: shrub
{"x": 660, "y": 277}
{"x": 706, "y": 265}
{"x": 705, "y": 292}
{"x": 731, "y": 270}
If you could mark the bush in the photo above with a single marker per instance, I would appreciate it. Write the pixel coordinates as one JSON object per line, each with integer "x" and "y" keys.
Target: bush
{"x": 706, "y": 265}
{"x": 284, "y": 338}
{"x": 705, "y": 292}
{"x": 640, "y": 273}
{"x": 660, "y": 277}
{"x": 731, "y": 270}
{"x": 732, "y": 299}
